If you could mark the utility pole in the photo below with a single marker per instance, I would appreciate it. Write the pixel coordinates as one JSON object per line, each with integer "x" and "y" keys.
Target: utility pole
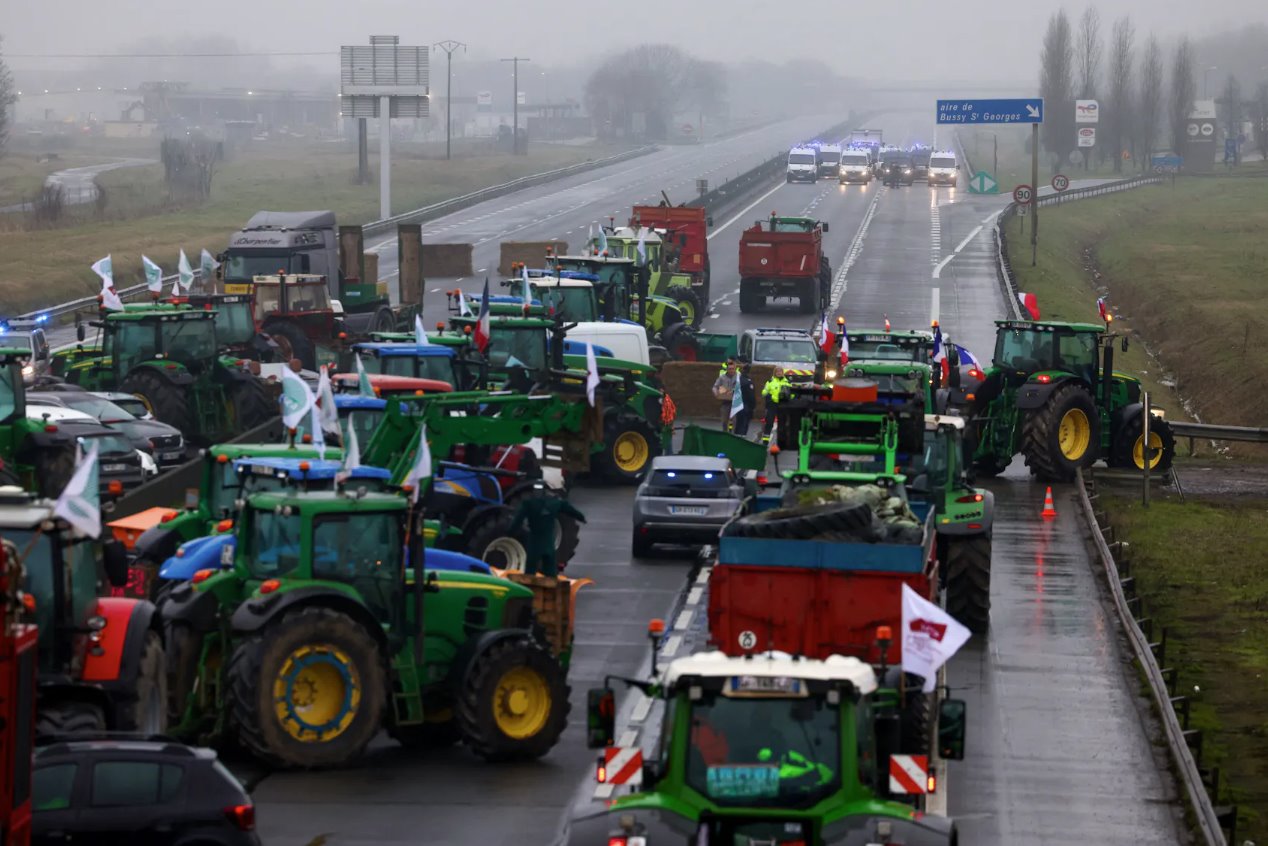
{"x": 515, "y": 101}
{"x": 449, "y": 46}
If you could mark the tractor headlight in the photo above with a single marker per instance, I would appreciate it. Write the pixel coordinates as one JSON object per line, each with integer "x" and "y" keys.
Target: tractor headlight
{"x": 831, "y": 374}
{"x": 28, "y": 370}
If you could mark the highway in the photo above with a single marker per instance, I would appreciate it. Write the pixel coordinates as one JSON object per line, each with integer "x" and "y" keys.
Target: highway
{"x": 1058, "y": 751}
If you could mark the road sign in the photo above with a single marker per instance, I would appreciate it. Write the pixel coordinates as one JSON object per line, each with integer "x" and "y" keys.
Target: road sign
{"x": 1023, "y": 110}
{"x": 1023, "y": 194}
{"x": 1087, "y": 136}
{"x": 1021, "y": 211}
{"x": 1166, "y": 164}
{"x": 983, "y": 183}
{"x": 1060, "y": 182}
{"x": 747, "y": 639}
{"x": 1087, "y": 111}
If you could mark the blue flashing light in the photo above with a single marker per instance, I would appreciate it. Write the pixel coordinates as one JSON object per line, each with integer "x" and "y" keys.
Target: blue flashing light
{"x": 671, "y": 474}
{"x": 708, "y": 475}
{"x": 43, "y": 318}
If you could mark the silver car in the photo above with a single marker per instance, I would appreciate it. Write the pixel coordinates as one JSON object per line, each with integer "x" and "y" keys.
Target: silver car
{"x": 685, "y": 500}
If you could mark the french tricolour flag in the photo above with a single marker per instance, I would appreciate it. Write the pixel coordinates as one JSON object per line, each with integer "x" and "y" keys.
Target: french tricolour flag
{"x": 1030, "y": 303}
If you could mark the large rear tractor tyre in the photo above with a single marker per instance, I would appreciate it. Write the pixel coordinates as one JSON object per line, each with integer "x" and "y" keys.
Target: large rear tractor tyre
{"x": 804, "y": 522}
{"x": 67, "y": 718}
{"x": 808, "y": 302}
{"x": 1128, "y": 448}
{"x": 750, "y": 301}
{"x": 680, "y": 340}
{"x": 308, "y": 691}
{"x": 251, "y": 404}
{"x": 969, "y": 581}
{"x": 184, "y": 648}
{"x": 148, "y": 714}
{"x": 825, "y": 283}
{"x": 514, "y": 702}
{"x": 629, "y": 445}
{"x": 1063, "y": 435}
{"x": 292, "y": 343}
{"x": 168, "y": 402}
{"x": 53, "y": 468}
{"x": 688, "y": 303}
{"x": 493, "y": 543}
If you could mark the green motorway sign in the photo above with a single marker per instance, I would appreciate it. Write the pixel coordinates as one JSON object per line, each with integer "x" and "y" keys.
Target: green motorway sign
{"x": 983, "y": 183}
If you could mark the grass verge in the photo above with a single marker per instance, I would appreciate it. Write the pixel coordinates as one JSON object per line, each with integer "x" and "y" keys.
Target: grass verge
{"x": 1199, "y": 570}
{"x": 47, "y": 266}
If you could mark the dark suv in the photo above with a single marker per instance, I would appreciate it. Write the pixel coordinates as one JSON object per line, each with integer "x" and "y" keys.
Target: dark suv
{"x": 115, "y": 792}
{"x": 898, "y": 170}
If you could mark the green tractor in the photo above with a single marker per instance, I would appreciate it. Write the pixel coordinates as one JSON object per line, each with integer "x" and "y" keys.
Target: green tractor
{"x": 328, "y": 627}
{"x": 663, "y": 279}
{"x": 168, "y": 356}
{"x": 34, "y": 454}
{"x": 1052, "y": 394}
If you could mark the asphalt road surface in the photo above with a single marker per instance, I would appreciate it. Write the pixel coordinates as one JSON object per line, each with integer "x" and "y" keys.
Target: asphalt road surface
{"x": 1057, "y": 749}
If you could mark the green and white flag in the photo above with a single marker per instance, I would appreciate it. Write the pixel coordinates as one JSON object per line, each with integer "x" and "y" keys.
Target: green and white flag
{"x": 297, "y": 399}
{"x": 153, "y": 275}
{"x": 364, "y": 388}
{"x": 208, "y": 267}
{"x": 421, "y": 470}
{"x": 420, "y": 333}
{"x": 184, "y": 273}
{"x": 351, "y": 457}
{"x": 80, "y": 502}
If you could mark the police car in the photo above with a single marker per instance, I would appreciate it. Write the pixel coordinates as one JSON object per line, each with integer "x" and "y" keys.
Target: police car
{"x": 28, "y": 333}
{"x": 943, "y": 168}
{"x": 803, "y": 164}
{"x": 792, "y": 349}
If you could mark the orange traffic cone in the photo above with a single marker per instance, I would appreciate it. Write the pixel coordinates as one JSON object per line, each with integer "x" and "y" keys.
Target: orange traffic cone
{"x": 1049, "y": 512}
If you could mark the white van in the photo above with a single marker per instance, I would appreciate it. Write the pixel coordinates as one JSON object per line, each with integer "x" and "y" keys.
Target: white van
{"x": 803, "y": 164}
{"x": 626, "y": 341}
{"x": 856, "y": 166}
{"x": 829, "y": 160}
{"x": 943, "y": 168}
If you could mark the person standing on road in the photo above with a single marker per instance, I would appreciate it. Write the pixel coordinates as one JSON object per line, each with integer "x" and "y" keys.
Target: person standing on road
{"x": 724, "y": 389}
{"x": 774, "y": 391}
{"x": 540, "y": 511}
{"x": 748, "y": 395}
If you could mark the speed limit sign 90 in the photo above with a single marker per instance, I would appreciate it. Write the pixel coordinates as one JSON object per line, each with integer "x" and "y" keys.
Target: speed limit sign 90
{"x": 1060, "y": 182}
{"x": 1023, "y": 194}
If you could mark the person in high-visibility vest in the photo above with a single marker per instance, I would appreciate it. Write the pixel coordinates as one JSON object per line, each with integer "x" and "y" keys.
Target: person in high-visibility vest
{"x": 793, "y": 765}
{"x": 775, "y": 389}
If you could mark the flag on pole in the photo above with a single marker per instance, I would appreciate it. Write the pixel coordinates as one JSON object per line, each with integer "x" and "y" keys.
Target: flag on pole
{"x": 318, "y": 436}
{"x": 1030, "y": 303}
{"x": 845, "y": 346}
{"x": 364, "y": 388}
{"x": 481, "y": 335}
{"x": 105, "y": 269}
{"x": 827, "y": 339}
{"x": 930, "y": 637}
{"x": 351, "y": 457}
{"x": 642, "y": 245}
{"x": 420, "y": 334}
{"x": 967, "y": 357}
{"x": 421, "y": 470}
{"x": 940, "y": 352}
{"x": 1100, "y": 307}
{"x": 328, "y": 412}
{"x": 603, "y": 241}
{"x": 184, "y": 273}
{"x": 887, "y": 327}
{"x": 296, "y": 400}
{"x": 207, "y": 267}
{"x": 153, "y": 275}
{"x": 462, "y": 305}
{"x": 590, "y": 238}
{"x": 592, "y": 373}
{"x": 528, "y": 292}
{"x": 80, "y": 501}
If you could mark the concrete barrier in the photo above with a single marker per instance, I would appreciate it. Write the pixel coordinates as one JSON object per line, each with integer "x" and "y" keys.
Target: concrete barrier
{"x": 446, "y": 260}
{"x": 532, "y": 253}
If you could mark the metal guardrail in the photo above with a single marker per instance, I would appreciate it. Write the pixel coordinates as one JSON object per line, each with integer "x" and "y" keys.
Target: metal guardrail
{"x": 1205, "y": 814}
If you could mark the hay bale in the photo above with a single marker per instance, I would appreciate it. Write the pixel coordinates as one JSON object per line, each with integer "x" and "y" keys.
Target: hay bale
{"x": 532, "y": 253}
{"x": 446, "y": 260}
{"x": 690, "y": 385}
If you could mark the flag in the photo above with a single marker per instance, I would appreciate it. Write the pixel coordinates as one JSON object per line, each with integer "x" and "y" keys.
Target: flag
{"x": 364, "y": 388}
{"x": 887, "y": 323}
{"x": 827, "y": 339}
{"x": 1030, "y": 303}
{"x": 421, "y": 470}
{"x": 184, "y": 273}
{"x": 590, "y": 238}
{"x": 328, "y": 412}
{"x": 351, "y": 456}
{"x": 940, "y": 352}
{"x": 297, "y": 399}
{"x": 930, "y": 637}
{"x": 967, "y": 357}
{"x": 153, "y": 275}
{"x": 110, "y": 299}
{"x": 207, "y": 267}
{"x": 1100, "y": 306}
{"x": 845, "y": 346}
{"x": 420, "y": 334}
{"x": 462, "y": 305}
{"x": 603, "y": 241}
{"x": 80, "y": 502}
{"x": 528, "y": 294}
{"x": 642, "y": 245}
{"x": 319, "y": 437}
{"x": 737, "y": 399}
{"x": 481, "y": 334}
{"x": 176, "y": 281}
{"x": 592, "y": 373}
{"x": 104, "y": 269}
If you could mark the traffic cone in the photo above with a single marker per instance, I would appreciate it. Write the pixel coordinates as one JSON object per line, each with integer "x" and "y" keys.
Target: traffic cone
{"x": 1049, "y": 512}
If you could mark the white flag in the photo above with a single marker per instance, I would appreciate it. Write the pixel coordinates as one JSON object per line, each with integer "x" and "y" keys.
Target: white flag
{"x": 462, "y": 305}
{"x": 421, "y": 470}
{"x": 737, "y": 398}
{"x": 184, "y": 273}
{"x": 153, "y": 275}
{"x": 297, "y": 399}
{"x": 592, "y": 372}
{"x": 420, "y": 334}
{"x": 642, "y": 245}
{"x": 351, "y": 457}
{"x": 590, "y": 237}
{"x": 603, "y": 240}
{"x": 80, "y": 503}
{"x": 104, "y": 269}
{"x": 327, "y": 412}
{"x": 318, "y": 436}
{"x": 110, "y": 299}
{"x": 528, "y": 297}
{"x": 365, "y": 387}
{"x": 207, "y": 267}
{"x": 930, "y": 637}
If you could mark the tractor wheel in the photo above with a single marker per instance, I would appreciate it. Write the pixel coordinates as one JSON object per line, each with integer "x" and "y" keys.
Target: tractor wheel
{"x": 1062, "y": 436}
{"x": 184, "y": 653}
{"x": 493, "y": 543}
{"x": 825, "y": 283}
{"x": 292, "y": 343}
{"x": 680, "y": 340}
{"x": 969, "y": 581}
{"x": 567, "y": 529}
{"x": 688, "y": 303}
{"x": 384, "y": 321}
{"x": 808, "y": 302}
{"x": 63, "y": 718}
{"x": 514, "y": 701}
{"x": 53, "y": 469}
{"x": 915, "y": 722}
{"x": 168, "y": 402}
{"x": 1128, "y": 448}
{"x": 148, "y": 715}
{"x": 750, "y": 300}
{"x": 308, "y": 691}
{"x": 629, "y": 445}
{"x": 658, "y": 356}
{"x": 251, "y": 404}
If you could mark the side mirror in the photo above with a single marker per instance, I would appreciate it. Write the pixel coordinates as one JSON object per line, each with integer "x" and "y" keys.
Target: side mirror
{"x": 115, "y": 559}
{"x": 80, "y": 332}
{"x": 1124, "y": 343}
{"x": 708, "y": 221}
{"x": 825, "y": 227}
{"x": 952, "y": 719}
{"x": 600, "y": 717}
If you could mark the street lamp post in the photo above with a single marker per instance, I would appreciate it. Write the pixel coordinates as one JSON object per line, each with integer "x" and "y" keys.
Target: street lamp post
{"x": 515, "y": 101}
{"x": 449, "y": 46}
{"x": 1206, "y": 81}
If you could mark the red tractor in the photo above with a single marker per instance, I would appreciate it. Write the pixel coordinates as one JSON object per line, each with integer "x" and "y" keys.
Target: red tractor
{"x": 783, "y": 257}
{"x": 687, "y": 243}
{"x": 17, "y": 704}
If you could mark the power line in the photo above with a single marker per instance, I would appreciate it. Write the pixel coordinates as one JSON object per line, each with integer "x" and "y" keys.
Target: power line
{"x": 158, "y": 55}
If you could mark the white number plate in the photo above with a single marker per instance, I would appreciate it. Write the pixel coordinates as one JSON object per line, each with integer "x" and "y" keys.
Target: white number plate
{"x": 689, "y": 510}
{"x": 114, "y": 468}
{"x": 170, "y": 456}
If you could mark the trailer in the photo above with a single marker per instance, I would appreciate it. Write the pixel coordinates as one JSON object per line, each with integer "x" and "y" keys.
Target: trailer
{"x": 783, "y": 257}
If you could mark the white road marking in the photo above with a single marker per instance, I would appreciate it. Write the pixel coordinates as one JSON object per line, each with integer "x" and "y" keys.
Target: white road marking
{"x": 970, "y": 237}
{"x": 684, "y": 620}
{"x": 670, "y": 649}
{"x": 693, "y": 598}
{"x": 642, "y": 709}
{"x": 745, "y": 211}
{"x": 856, "y": 247}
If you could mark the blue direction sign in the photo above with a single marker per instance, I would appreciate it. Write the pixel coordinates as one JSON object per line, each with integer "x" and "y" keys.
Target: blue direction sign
{"x": 1023, "y": 110}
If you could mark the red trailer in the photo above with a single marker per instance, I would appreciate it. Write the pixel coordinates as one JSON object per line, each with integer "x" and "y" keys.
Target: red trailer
{"x": 783, "y": 257}
{"x": 17, "y": 705}
{"x": 688, "y": 230}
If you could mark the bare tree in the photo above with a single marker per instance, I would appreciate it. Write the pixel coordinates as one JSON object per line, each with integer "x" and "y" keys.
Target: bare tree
{"x": 1183, "y": 92}
{"x": 648, "y": 84}
{"x": 8, "y": 96}
{"x": 1119, "y": 111}
{"x": 1089, "y": 52}
{"x": 1149, "y": 104}
{"x": 1056, "y": 86}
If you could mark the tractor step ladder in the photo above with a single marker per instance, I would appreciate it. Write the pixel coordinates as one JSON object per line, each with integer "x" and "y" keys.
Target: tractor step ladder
{"x": 407, "y": 690}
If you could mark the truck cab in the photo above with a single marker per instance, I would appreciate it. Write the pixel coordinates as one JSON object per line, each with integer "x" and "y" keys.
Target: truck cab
{"x": 274, "y": 242}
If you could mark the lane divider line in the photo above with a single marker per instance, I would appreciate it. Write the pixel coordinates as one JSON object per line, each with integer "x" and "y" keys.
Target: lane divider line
{"x": 856, "y": 247}
{"x": 718, "y": 231}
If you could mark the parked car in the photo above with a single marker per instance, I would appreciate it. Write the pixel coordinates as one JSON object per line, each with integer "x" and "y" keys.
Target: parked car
{"x": 121, "y": 792}
{"x": 685, "y": 499}
{"x": 130, "y": 403}
{"x": 164, "y": 443}
{"x": 117, "y": 459}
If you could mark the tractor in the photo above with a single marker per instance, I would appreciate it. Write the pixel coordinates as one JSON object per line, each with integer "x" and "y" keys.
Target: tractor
{"x": 663, "y": 279}
{"x": 1052, "y": 395}
{"x": 169, "y": 357}
{"x": 34, "y": 454}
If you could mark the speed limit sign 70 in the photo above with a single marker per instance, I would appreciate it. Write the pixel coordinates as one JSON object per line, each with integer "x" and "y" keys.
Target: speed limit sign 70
{"x": 1023, "y": 194}
{"x": 1060, "y": 182}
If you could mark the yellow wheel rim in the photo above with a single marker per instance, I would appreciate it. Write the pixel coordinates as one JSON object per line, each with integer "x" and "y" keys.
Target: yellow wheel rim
{"x": 521, "y": 703}
{"x": 145, "y": 401}
{"x": 1138, "y": 450}
{"x": 630, "y": 451}
{"x": 688, "y": 312}
{"x": 1074, "y": 434}
{"x": 317, "y": 693}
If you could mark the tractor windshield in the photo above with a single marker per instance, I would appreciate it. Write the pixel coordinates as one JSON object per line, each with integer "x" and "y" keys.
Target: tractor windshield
{"x": 273, "y": 547}
{"x": 188, "y": 340}
{"x": 1029, "y": 351}
{"x": 887, "y": 349}
{"x": 130, "y": 343}
{"x": 438, "y": 367}
{"x": 364, "y": 549}
{"x": 76, "y": 593}
{"x": 764, "y": 752}
{"x": 224, "y": 490}
{"x": 243, "y": 267}
{"x": 934, "y": 465}
{"x": 235, "y": 324}
{"x": 8, "y": 391}
{"x": 570, "y": 303}
{"x": 516, "y": 347}
{"x": 363, "y": 421}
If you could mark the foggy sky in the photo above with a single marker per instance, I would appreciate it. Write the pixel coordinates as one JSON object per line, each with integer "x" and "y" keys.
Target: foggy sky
{"x": 961, "y": 41}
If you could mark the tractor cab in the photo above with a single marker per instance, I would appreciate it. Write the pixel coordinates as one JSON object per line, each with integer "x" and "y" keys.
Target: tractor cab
{"x": 1025, "y": 348}
{"x": 415, "y": 361}
{"x": 162, "y": 338}
{"x": 570, "y": 295}
{"x": 884, "y": 345}
{"x": 273, "y": 473}
{"x": 234, "y": 320}
{"x": 515, "y": 343}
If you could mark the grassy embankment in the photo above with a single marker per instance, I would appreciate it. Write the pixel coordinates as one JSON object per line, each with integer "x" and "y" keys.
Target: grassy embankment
{"x": 50, "y": 265}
